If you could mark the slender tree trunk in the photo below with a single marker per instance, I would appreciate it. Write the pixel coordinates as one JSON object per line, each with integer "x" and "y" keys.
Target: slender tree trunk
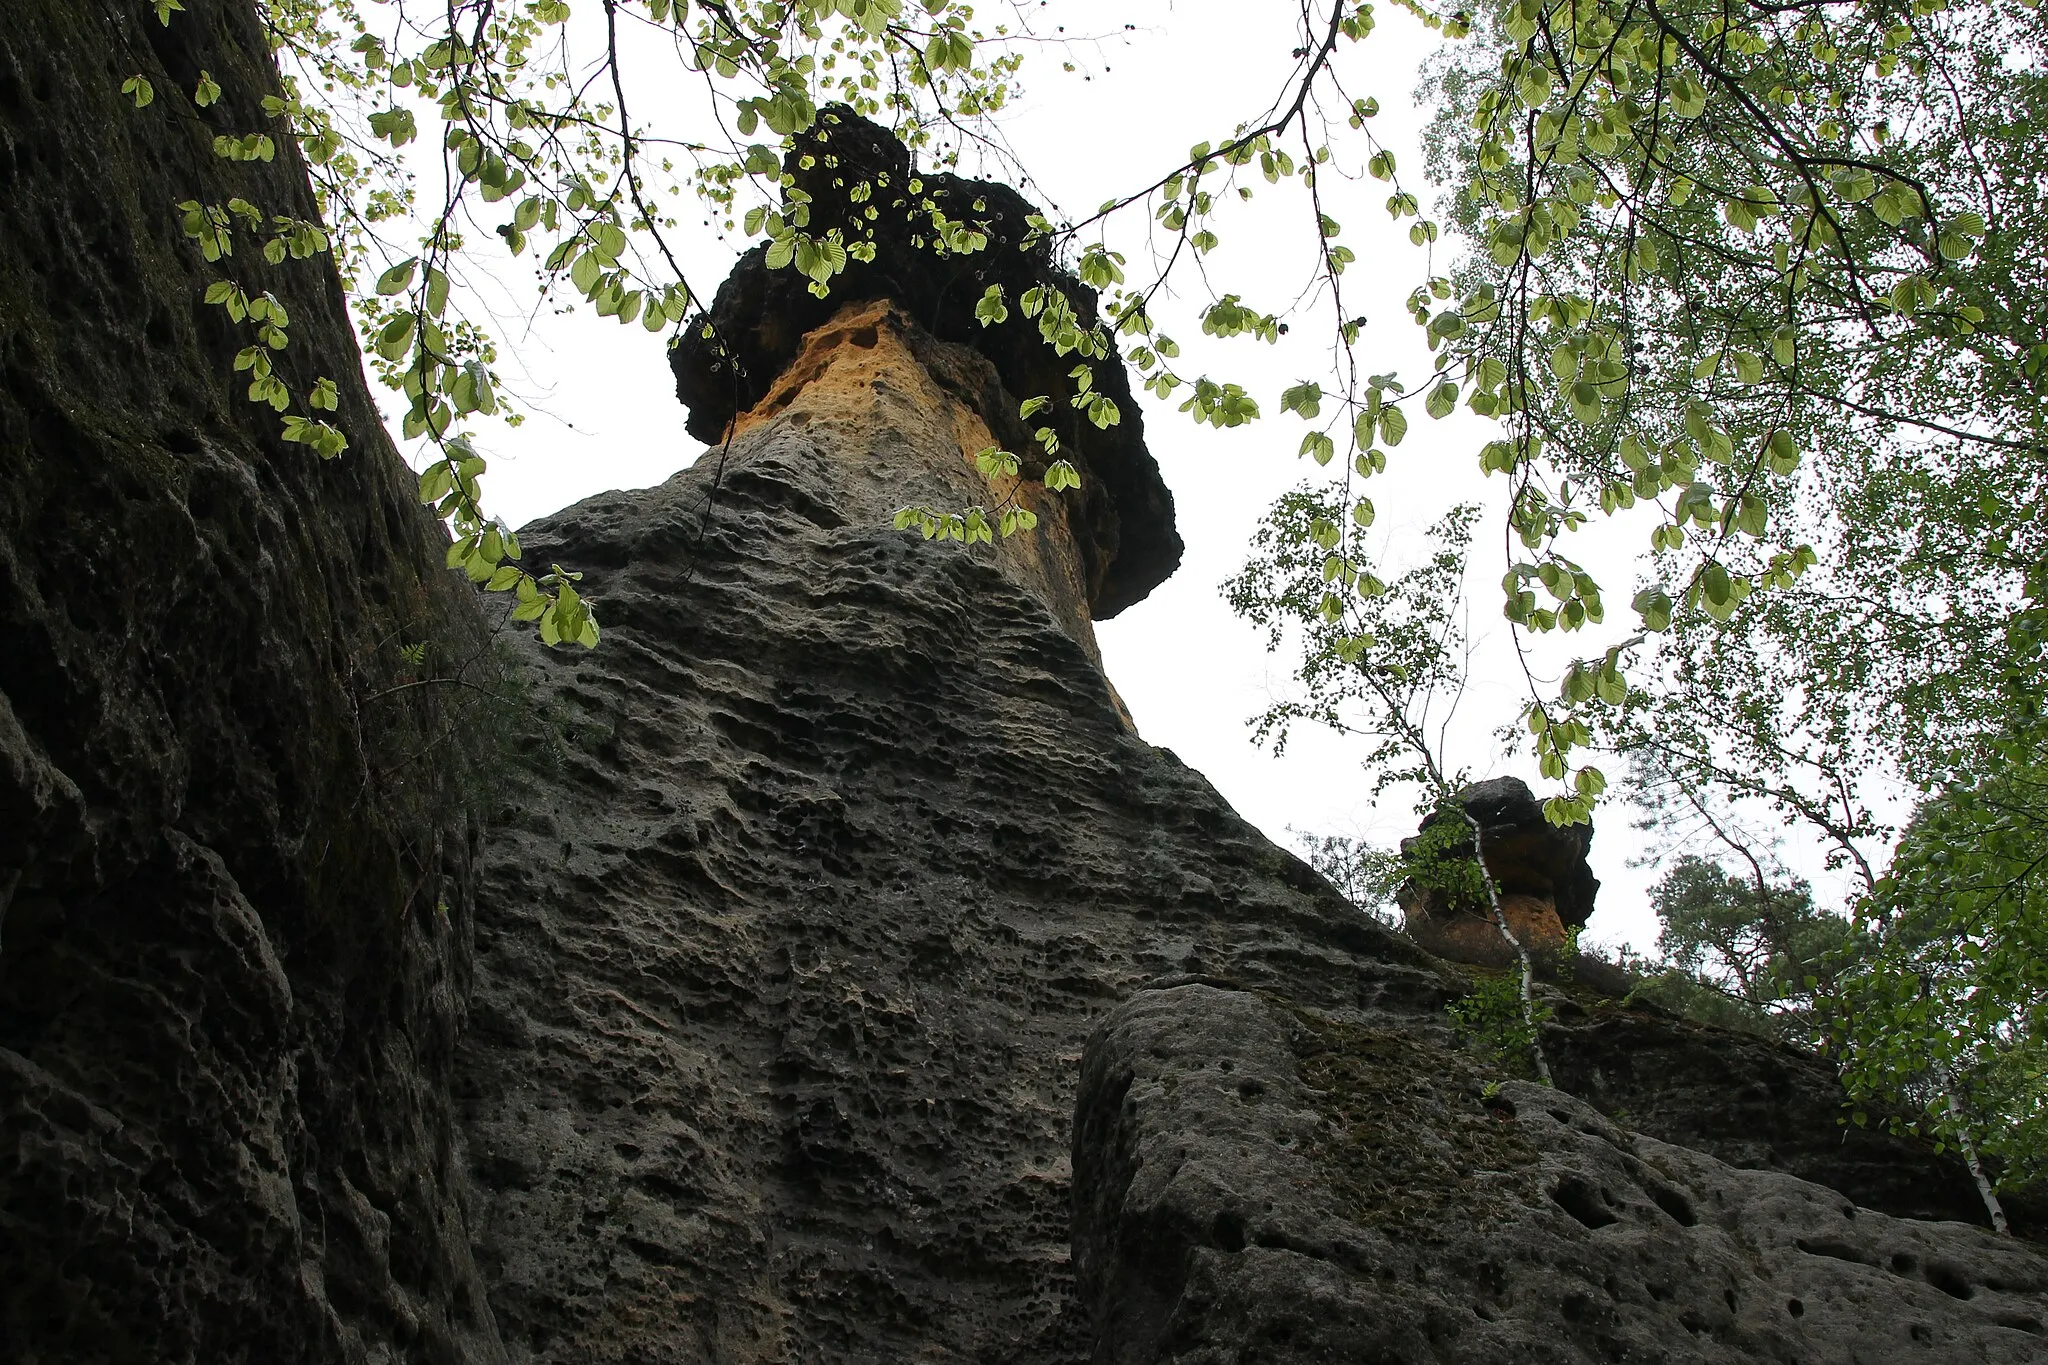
{"x": 1969, "y": 1149}
{"x": 1500, "y": 922}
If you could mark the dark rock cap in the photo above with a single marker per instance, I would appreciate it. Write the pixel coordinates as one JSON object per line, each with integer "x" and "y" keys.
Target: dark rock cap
{"x": 1526, "y": 854}
{"x": 758, "y": 321}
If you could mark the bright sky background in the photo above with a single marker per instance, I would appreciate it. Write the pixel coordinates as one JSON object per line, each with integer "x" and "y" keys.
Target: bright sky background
{"x": 604, "y": 415}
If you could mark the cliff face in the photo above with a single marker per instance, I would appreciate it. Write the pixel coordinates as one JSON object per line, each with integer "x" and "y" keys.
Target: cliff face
{"x": 851, "y": 983}
{"x": 234, "y": 882}
{"x": 783, "y": 983}
{"x": 864, "y": 989}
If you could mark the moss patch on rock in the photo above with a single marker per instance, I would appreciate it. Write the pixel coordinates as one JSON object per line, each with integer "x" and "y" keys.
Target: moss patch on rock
{"x": 1390, "y": 1171}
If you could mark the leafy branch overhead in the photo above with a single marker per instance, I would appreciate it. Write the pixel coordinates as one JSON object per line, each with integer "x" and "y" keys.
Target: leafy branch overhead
{"x": 530, "y": 155}
{"x": 1707, "y": 238}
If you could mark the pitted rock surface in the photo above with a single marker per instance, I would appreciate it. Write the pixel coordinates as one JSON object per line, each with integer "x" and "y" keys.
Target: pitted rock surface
{"x": 784, "y": 976}
{"x": 234, "y": 875}
{"x": 1257, "y": 1181}
{"x": 1753, "y": 1103}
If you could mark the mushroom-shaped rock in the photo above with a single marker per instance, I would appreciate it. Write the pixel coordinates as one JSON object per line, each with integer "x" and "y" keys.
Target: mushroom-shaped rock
{"x": 940, "y": 244}
{"x": 1546, "y": 887}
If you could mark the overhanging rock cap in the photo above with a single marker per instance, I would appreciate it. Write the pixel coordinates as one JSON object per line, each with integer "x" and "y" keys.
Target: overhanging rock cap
{"x": 1526, "y": 854}
{"x": 757, "y": 323}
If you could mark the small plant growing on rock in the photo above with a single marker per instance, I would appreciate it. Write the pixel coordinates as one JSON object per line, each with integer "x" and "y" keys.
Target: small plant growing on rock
{"x": 1440, "y": 859}
{"x": 1367, "y": 875}
{"x": 1495, "y": 1022}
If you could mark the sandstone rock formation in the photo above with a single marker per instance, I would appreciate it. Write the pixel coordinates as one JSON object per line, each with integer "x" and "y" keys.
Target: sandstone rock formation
{"x": 790, "y": 949}
{"x": 783, "y": 983}
{"x": 1127, "y": 541}
{"x": 1546, "y": 886}
{"x": 234, "y": 876}
{"x": 1256, "y": 1181}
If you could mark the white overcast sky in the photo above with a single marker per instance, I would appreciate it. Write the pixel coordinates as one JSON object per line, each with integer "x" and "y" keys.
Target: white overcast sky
{"x": 603, "y": 413}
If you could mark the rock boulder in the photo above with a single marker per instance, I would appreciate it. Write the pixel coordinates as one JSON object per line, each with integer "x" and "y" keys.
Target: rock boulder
{"x": 1258, "y": 1180}
{"x": 1546, "y": 886}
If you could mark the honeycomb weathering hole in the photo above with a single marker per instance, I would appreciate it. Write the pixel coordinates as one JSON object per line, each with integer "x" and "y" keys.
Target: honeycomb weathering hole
{"x": 1583, "y": 1202}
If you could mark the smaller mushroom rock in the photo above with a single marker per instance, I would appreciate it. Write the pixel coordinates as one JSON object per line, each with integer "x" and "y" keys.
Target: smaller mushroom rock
{"x": 1546, "y": 887}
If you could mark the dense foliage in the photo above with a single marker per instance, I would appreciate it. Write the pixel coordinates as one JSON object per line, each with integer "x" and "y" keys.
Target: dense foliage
{"x": 1744, "y": 951}
{"x": 1949, "y": 1010}
{"x": 1771, "y": 273}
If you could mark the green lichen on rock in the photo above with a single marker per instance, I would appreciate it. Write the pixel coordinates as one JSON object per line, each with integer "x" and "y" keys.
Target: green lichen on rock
{"x": 1371, "y": 1085}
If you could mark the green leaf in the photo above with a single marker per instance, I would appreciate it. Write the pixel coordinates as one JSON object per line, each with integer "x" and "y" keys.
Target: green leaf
{"x": 395, "y": 339}
{"x": 1393, "y": 425}
{"x": 1895, "y": 203}
{"x": 398, "y": 278}
{"x": 995, "y": 462}
{"x": 1855, "y": 183}
{"x": 1688, "y": 96}
{"x": 1751, "y": 516}
{"x": 436, "y": 481}
{"x": 1782, "y": 452}
{"x": 1305, "y": 398}
{"x": 990, "y": 309}
{"x": 396, "y": 125}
